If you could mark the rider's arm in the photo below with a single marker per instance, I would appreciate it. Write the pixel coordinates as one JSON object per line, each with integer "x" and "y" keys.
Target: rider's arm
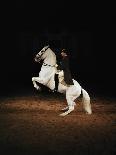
{"x": 56, "y": 65}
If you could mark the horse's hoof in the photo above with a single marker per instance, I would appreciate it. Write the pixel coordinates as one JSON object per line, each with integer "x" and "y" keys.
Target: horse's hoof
{"x": 89, "y": 113}
{"x": 67, "y": 112}
{"x": 64, "y": 109}
{"x": 63, "y": 114}
{"x": 38, "y": 88}
{"x": 32, "y": 79}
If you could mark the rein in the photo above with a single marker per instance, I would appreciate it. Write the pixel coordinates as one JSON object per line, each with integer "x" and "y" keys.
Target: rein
{"x": 48, "y": 65}
{"x": 45, "y": 63}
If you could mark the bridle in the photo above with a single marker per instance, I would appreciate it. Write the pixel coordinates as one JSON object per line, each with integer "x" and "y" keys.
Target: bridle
{"x": 48, "y": 65}
{"x": 44, "y": 64}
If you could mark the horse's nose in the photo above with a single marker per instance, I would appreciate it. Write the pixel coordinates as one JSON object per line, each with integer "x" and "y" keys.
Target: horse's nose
{"x": 35, "y": 59}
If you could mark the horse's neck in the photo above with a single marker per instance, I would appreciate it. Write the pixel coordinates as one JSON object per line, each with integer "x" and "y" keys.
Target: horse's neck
{"x": 51, "y": 58}
{"x": 48, "y": 70}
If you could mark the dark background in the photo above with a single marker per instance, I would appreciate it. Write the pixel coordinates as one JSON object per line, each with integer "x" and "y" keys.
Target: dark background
{"x": 87, "y": 30}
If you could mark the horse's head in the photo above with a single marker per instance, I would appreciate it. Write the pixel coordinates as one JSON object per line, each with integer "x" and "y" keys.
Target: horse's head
{"x": 42, "y": 54}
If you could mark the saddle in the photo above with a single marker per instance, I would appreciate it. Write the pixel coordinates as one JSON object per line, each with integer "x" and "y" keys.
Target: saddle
{"x": 61, "y": 78}
{"x": 64, "y": 83}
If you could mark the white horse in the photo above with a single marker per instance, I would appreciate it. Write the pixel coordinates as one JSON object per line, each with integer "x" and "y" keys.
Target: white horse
{"x": 46, "y": 77}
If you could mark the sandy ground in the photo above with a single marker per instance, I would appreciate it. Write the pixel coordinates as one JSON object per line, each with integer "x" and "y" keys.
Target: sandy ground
{"x": 31, "y": 124}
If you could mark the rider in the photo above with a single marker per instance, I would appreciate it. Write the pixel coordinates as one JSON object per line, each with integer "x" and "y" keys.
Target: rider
{"x": 64, "y": 65}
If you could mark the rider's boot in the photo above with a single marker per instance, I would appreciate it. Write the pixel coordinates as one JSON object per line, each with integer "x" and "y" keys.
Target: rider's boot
{"x": 56, "y": 83}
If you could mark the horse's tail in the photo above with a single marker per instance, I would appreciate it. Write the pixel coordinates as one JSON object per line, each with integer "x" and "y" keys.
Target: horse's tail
{"x": 86, "y": 101}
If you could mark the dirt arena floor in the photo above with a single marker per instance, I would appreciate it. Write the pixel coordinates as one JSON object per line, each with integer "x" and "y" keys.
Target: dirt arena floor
{"x": 30, "y": 124}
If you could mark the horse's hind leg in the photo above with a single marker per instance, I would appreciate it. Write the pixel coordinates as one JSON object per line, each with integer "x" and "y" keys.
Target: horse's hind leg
{"x": 71, "y": 94}
{"x": 71, "y": 102}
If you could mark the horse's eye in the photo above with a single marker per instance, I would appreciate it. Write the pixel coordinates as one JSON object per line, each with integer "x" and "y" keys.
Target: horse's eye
{"x": 42, "y": 52}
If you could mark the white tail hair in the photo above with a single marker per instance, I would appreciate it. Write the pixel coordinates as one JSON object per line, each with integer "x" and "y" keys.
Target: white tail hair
{"x": 86, "y": 102}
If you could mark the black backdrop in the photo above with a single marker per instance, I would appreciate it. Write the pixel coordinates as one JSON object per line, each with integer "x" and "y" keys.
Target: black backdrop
{"x": 87, "y": 31}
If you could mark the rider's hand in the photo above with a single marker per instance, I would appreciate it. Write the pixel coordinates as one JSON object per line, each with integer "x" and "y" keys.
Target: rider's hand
{"x": 56, "y": 65}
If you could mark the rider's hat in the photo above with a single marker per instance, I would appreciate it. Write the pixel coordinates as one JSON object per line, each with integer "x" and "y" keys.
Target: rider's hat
{"x": 65, "y": 51}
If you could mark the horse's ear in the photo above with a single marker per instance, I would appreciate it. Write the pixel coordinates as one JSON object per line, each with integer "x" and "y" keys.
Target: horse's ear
{"x": 47, "y": 46}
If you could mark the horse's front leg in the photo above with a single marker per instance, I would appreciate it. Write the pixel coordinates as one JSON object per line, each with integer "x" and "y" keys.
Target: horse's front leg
{"x": 34, "y": 80}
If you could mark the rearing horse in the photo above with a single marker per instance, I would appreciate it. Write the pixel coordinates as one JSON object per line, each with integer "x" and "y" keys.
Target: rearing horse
{"x": 46, "y": 77}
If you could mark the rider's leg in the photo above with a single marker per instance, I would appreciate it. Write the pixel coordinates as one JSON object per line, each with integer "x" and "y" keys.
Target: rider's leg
{"x": 56, "y": 82}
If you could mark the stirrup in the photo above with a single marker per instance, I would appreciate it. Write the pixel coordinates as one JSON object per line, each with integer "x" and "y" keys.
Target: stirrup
{"x": 54, "y": 90}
